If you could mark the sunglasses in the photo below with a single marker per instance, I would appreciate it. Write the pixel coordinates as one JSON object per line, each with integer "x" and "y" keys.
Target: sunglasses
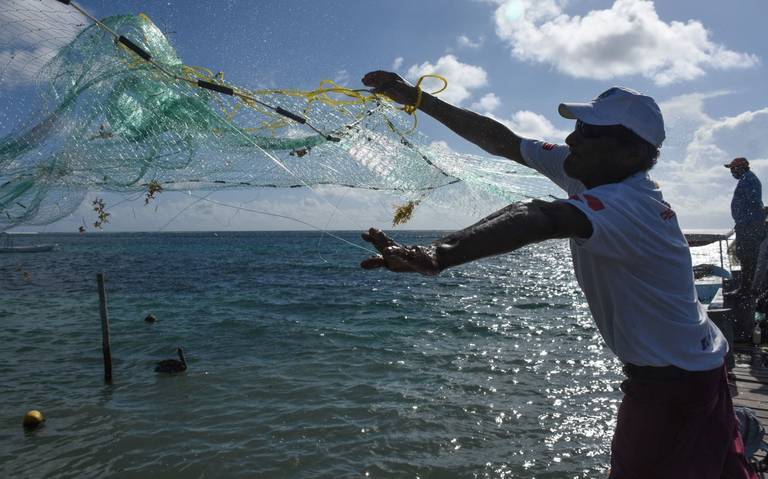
{"x": 596, "y": 131}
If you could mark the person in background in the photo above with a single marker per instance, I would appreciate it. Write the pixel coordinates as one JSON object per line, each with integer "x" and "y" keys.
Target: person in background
{"x": 631, "y": 259}
{"x": 749, "y": 218}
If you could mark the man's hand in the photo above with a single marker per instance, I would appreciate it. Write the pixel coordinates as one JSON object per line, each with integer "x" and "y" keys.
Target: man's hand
{"x": 391, "y": 85}
{"x": 485, "y": 132}
{"x": 398, "y": 258}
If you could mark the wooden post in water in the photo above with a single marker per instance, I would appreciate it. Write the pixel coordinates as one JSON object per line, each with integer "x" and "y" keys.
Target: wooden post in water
{"x": 105, "y": 347}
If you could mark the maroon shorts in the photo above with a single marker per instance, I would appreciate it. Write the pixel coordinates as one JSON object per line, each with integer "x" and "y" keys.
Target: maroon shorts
{"x": 677, "y": 425}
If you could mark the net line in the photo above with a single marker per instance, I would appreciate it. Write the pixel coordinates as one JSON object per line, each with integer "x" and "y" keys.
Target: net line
{"x": 119, "y": 111}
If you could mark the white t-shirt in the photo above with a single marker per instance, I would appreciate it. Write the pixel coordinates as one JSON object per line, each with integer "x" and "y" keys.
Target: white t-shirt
{"x": 635, "y": 269}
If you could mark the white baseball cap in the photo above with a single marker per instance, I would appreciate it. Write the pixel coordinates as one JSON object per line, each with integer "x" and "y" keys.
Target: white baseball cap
{"x": 620, "y": 106}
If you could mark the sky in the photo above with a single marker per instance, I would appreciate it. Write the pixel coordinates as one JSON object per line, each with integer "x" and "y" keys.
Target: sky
{"x": 704, "y": 61}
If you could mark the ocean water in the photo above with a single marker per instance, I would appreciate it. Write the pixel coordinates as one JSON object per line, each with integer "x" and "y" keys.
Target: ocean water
{"x": 301, "y": 365}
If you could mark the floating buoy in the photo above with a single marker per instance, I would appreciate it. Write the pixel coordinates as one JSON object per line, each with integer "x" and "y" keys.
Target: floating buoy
{"x": 150, "y": 318}
{"x": 33, "y": 419}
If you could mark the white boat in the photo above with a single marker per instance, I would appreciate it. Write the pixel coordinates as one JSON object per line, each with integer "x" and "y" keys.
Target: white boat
{"x": 7, "y": 244}
{"x": 709, "y": 277}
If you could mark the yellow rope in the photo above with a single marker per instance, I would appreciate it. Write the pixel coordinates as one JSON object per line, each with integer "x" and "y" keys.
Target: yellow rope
{"x": 247, "y": 98}
{"x": 411, "y": 109}
{"x": 191, "y": 75}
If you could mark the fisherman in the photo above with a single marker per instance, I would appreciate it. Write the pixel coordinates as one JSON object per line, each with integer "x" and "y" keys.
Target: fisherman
{"x": 749, "y": 217}
{"x": 631, "y": 260}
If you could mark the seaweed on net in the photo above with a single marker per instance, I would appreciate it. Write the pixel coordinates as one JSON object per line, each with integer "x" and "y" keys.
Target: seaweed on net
{"x": 119, "y": 111}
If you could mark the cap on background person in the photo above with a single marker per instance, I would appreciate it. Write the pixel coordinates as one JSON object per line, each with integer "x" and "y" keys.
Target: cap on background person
{"x": 737, "y": 163}
{"x": 621, "y": 106}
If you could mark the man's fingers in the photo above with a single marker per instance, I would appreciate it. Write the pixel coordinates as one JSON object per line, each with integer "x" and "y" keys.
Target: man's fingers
{"x": 379, "y": 239}
{"x": 376, "y": 78}
{"x": 385, "y": 86}
{"x": 393, "y": 256}
{"x": 392, "y": 263}
{"x": 370, "y": 79}
{"x": 373, "y": 262}
{"x": 371, "y": 236}
{"x": 390, "y": 259}
{"x": 382, "y": 82}
{"x": 400, "y": 260}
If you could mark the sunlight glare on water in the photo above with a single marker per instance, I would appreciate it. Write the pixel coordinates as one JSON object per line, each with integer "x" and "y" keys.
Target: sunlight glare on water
{"x": 301, "y": 363}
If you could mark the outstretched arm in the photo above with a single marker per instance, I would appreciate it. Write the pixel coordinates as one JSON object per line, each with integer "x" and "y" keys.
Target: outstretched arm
{"x": 488, "y": 134}
{"x": 506, "y": 230}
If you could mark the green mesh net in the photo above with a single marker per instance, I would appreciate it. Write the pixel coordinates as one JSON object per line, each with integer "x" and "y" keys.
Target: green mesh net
{"x": 109, "y": 120}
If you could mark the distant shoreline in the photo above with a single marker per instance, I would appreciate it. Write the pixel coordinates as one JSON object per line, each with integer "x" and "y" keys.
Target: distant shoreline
{"x": 75, "y": 233}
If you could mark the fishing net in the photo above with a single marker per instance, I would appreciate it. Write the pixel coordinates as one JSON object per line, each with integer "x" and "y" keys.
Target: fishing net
{"x": 117, "y": 110}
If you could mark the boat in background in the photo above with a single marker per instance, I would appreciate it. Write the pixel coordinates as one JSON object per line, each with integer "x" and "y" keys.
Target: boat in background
{"x": 710, "y": 277}
{"x": 734, "y": 316}
{"x": 7, "y": 244}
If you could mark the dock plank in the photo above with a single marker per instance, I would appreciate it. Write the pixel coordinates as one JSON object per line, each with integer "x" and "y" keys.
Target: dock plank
{"x": 751, "y": 373}
{"x": 756, "y": 405}
{"x": 755, "y": 394}
{"x": 751, "y": 376}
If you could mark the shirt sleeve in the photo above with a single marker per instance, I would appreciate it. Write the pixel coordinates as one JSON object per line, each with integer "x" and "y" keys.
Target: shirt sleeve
{"x": 547, "y": 159}
{"x": 614, "y": 233}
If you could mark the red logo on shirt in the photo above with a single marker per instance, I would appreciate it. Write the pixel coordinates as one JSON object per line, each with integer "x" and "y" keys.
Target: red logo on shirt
{"x": 594, "y": 203}
{"x": 548, "y": 146}
{"x": 667, "y": 214}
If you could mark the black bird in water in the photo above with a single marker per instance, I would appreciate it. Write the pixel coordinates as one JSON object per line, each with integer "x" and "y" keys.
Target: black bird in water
{"x": 172, "y": 365}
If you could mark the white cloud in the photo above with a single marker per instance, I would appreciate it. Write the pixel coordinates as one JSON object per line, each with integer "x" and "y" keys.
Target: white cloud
{"x": 466, "y": 42}
{"x": 397, "y": 63}
{"x": 488, "y": 103}
{"x": 342, "y": 77}
{"x": 688, "y": 108}
{"x": 690, "y": 168}
{"x": 32, "y": 34}
{"x": 461, "y": 77}
{"x": 532, "y": 125}
{"x": 683, "y": 116}
{"x": 440, "y": 146}
{"x": 326, "y": 209}
{"x": 627, "y": 39}
{"x": 717, "y": 142}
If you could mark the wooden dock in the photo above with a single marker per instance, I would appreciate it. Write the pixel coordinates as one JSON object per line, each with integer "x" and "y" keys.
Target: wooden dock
{"x": 750, "y": 363}
{"x": 751, "y": 373}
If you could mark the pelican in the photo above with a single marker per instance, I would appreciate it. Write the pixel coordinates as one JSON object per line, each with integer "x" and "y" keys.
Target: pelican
{"x": 172, "y": 365}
